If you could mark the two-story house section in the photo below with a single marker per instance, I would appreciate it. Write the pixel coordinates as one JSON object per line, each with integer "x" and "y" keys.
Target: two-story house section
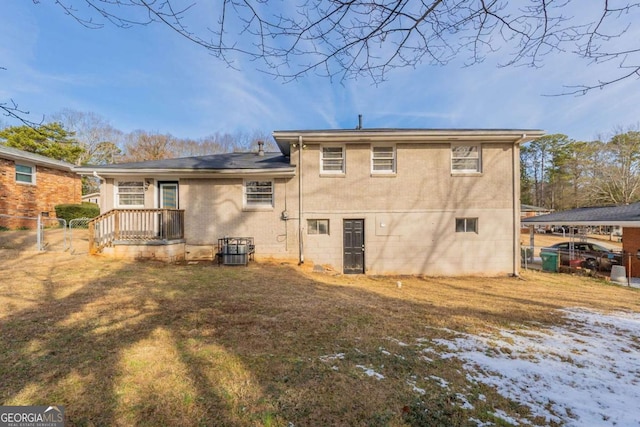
{"x": 373, "y": 201}
{"x": 409, "y": 201}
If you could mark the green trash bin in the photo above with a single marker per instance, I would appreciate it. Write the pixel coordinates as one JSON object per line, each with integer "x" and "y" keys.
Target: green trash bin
{"x": 550, "y": 261}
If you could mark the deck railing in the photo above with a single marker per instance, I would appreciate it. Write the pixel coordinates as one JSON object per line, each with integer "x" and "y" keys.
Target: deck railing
{"x": 135, "y": 225}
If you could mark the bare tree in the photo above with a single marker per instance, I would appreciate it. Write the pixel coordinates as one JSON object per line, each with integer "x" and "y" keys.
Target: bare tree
{"x": 346, "y": 39}
{"x": 142, "y": 146}
{"x": 616, "y": 177}
{"x": 99, "y": 138}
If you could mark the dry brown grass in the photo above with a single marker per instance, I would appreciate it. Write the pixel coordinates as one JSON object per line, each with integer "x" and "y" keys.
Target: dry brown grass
{"x": 120, "y": 343}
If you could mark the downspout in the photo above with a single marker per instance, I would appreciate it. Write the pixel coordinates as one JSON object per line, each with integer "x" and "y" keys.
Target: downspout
{"x": 300, "y": 243}
{"x": 515, "y": 158}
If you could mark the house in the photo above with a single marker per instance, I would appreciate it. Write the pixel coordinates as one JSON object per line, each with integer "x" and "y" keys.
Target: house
{"x": 375, "y": 201}
{"x": 32, "y": 185}
{"x": 624, "y": 217}
{"x": 91, "y": 198}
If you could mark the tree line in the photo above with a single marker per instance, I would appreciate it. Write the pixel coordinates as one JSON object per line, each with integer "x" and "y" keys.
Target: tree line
{"x": 556, "y": 171}
{"x": 560, "y": 173}
{"x": 85, "y": 138}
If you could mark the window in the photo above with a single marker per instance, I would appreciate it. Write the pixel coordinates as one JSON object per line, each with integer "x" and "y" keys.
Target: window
{"x": 332, "y": 160}
{"x": 383, "y": 159}
{"x": 466, "y": 225}
{"x": 25, "y": 174}
{"x": 317, "y": 226}
{"x": 465, "y": 158}
{"x": 258, "y": 194}
{"x": 130, "y": 194}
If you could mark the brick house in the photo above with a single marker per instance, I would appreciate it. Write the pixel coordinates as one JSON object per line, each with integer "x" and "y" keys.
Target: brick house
{"x": 31, "y": 184}
{"x": 373, "y": 201}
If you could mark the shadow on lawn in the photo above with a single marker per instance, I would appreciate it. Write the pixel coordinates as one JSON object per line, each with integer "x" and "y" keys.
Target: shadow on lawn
{"x": 155, "y": 344}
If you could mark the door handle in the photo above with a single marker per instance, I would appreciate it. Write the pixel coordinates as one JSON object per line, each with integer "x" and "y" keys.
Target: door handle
{"x": 362, "y": 248}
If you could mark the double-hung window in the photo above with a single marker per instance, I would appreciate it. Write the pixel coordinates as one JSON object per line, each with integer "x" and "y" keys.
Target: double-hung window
{"x": 332, "y": 159}
{"x": 258, "y": 194}
{"x": 383, "y": 159}
{"x": 130, "y": 194}
{"x": 465, "y": 158}
{"x": 25, "y": 174}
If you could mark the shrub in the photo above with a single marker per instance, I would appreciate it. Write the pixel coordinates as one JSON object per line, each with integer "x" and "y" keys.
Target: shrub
{"x": 73, "y": 211}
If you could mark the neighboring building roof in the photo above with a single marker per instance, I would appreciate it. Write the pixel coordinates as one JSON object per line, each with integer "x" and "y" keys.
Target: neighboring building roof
{"x": 358, "y": 136}
{"x": 531, "y": 208}
{"x": 225, "y": 164}
{"x": 605, "y": 215}
{"x": 37, "y": 159}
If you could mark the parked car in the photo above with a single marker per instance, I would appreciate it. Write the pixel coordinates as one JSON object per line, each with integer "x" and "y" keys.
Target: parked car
{"x": 591, "y": 255}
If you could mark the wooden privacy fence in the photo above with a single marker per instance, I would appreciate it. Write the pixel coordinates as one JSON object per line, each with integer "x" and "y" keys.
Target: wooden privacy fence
{"x": 135, "y": 225}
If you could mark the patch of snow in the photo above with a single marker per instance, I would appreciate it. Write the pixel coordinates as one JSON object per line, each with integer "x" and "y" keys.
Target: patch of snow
{"x": 385, "y": 352}
{"x": 480, "y": 423}
{"x": 441, "y": 382}
{"x": 370, "y": 372}
{"x": 584, "y": 373}
{"x": 415, "y": 388}
{"x": 504, "y": 416}
{"x": 330, "y": 357}
{"x": 465, "y": 403}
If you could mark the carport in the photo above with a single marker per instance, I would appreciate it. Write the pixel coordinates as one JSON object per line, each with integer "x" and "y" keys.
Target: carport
{"x": 626, "y": 216}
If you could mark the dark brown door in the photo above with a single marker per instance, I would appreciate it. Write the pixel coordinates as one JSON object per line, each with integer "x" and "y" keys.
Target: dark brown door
{"x": 353, "y": 246}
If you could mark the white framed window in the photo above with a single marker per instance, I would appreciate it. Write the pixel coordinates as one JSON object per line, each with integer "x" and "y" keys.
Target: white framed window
{"x": 258, "y": 194}
{"x": 332, "y": 159}
{"x": 25, "y": 174}
{"x": 383, "y": 159}
{"x": 317, "y": 226}
{"x": 465, "y": 158}
{"x": 466, "y": 225}
{"x": 130, "y": 194}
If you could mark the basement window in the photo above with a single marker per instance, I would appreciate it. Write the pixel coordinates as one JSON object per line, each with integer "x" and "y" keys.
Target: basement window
{"x": 466, "y": 225}
{"x": 317, "y": 226}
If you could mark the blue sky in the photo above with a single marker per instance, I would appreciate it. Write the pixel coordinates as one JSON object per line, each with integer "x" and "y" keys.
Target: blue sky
{"x": 149, "y": 78}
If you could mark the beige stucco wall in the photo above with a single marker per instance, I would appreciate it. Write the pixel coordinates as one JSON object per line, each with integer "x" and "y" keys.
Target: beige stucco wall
{"x": 409, "y": 216}
{"x": 214, "y": 209}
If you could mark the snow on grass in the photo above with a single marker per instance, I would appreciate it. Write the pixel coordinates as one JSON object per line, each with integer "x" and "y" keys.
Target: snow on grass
{"x": 370, "y": 372}
{"x": 585, "y": 373}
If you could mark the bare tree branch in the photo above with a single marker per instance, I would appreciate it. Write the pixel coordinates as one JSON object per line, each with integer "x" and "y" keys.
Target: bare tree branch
{"x": 351, "y": 38}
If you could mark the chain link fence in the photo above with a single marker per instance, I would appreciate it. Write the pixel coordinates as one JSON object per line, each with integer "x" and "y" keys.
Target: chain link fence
{"x": 43, "y": 233}
{"x": 79, "y": 236}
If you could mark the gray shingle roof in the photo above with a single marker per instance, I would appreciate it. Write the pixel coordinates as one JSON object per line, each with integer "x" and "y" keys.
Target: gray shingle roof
{"x": 210, "y": 162}
{"x": 15, "y": 154}
{"x": 607, "y": 214}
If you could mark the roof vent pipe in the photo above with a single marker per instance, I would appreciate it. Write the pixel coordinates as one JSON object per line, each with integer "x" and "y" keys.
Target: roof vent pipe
{"x": 359, "y": 122}
{"x": 260, "y": 148}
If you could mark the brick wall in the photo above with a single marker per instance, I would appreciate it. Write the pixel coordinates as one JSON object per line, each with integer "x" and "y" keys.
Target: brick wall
{"x": 53, "y": 187}
{"x": 631, "y": 244}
